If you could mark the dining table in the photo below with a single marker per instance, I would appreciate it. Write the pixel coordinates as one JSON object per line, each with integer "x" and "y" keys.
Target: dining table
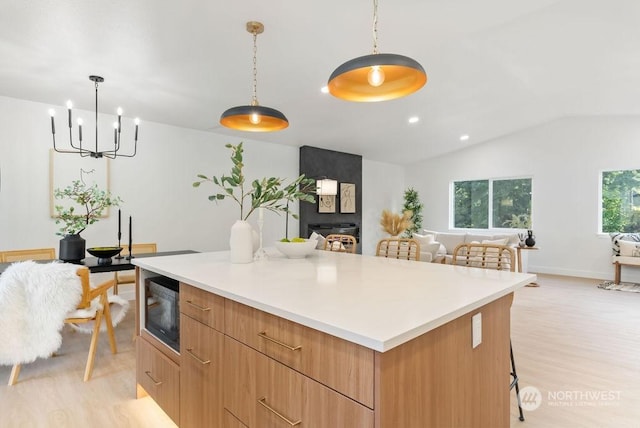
{"x": 116, "y": 264}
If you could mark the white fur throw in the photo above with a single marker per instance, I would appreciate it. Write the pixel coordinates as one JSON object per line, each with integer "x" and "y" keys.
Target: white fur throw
{"x": 34, "y": 301}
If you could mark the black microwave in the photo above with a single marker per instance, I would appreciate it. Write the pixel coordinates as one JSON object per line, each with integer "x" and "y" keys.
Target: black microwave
{"x": 162, "y": 311}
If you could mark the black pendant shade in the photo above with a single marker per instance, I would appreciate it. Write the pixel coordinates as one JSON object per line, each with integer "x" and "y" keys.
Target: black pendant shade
{"x": 254, "y": 119}
{"x": 401, "y": 76}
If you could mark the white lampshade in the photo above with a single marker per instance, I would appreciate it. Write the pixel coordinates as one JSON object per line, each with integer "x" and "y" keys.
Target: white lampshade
{"x": 326, "y": 187}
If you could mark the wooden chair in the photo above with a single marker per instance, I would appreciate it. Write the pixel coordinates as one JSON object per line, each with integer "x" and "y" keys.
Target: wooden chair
{"x": 29, "y": 254}
{"x": 399, "y": 248}
{"x": 486, "y": 256}
{"x": 130, "y": 278}
{"x": 341, "y": 243}
{"x": 497, "y": 257}
{"x": 87, "y": 311}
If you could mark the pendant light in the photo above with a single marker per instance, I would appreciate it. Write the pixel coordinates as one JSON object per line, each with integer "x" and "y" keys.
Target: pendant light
{"x": 377, "y": 77}
{"x": 254, "y": 117}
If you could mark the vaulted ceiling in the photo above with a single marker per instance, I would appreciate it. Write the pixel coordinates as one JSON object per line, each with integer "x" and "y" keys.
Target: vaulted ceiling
{"x": 495, "y": 67}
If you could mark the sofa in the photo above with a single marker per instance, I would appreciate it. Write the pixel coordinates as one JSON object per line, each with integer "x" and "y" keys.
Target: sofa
{"x": 437, "y": 247}
{"x": 626, "y": 251}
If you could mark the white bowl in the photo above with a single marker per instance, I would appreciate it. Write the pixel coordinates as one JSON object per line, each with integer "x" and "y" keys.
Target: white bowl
{"x": 296, "y": 250}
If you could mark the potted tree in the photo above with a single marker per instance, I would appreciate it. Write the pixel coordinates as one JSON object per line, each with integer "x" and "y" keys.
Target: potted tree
{"x": 412, "y": 203}
{"x": 267, "y": 193}
{"x": 87, "y": 206}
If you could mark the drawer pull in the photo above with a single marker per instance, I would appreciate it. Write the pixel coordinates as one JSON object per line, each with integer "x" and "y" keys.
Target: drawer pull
{"x": 263, "y": 334}
{"x": 263, "y": 403}
{"x": 201, "y": 361}
{"x": 155, "y": 382}
{"x": 202, "y": 308}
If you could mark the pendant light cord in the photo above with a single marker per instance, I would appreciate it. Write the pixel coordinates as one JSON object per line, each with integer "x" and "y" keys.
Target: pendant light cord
{"x": 375, "y": 27}
{"x": 254, "y": 100}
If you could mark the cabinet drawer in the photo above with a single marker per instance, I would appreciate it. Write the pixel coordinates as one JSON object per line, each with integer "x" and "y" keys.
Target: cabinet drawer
{"x": 200, "y": 374}
{"x": 337, "y": 363}
{"x": 160, "y": 378}
{"x": 263, "y": 393}
{"x": 231, "y": 421}
{"x": 202, "y": 306}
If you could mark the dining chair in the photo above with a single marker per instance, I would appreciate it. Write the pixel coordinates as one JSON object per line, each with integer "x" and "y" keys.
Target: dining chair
{"x": 399, "y": 248}
{"x": 340, "y": 243}
{"x": 28, "y": 254}
{"x": 496, "y": 257}
{"x": 38, "y": 334}
{"x": 487, "y": 256}
{"x": 130, "y": 278}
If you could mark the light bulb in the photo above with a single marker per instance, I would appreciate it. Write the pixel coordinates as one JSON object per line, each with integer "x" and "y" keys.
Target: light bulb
{"x": 80, "y": 122}
{"x": 136, "y": 121}
{"x": 119, "y": 111}
{"x": 69, "y": 104}
{"x": 52, "y": 112}
{"x": 255, "y": 118}
{"x": 115, "y": 125}
{"x": 375, "y": 76}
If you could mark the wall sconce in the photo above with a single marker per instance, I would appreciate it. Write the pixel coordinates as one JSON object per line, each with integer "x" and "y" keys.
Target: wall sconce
{"x": 326, "y": 187}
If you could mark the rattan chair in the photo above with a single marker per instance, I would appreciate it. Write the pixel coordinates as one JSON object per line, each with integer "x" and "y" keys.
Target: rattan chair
{"x": 496, "y": 257}
{"x": 486, "y": 256}
{"x": 130, "y": 278}
{"x": 29, "y": 254}
{"x": 399, "y": 248}
{"x": 340, "y": 243}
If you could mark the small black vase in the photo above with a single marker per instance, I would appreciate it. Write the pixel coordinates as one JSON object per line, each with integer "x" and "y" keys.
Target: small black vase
{"x": 72, "y": 248}
{"x": 530, "y": 241}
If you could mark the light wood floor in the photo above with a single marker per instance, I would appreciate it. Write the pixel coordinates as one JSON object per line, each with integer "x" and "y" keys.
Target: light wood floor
{"x": 569, "y": 337}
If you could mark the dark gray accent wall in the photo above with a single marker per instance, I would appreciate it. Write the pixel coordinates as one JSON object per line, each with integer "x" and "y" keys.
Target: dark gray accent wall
{"x": 319, "y": 163}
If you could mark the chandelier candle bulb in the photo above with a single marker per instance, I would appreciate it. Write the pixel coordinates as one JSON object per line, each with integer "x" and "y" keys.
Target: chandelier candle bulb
{"x": 137, "y": 122}
{"x": 69, "y": 106}
{"x": 80, "y": 129}
{"x": 52, "y": 113}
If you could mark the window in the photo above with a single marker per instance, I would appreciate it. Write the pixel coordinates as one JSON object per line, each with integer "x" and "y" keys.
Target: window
{"x": 620, "y": 201}
{"x": 499, "y": 203}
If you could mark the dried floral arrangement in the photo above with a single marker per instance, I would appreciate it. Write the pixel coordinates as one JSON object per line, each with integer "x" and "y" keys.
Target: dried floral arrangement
{"x": 394, "y": 224}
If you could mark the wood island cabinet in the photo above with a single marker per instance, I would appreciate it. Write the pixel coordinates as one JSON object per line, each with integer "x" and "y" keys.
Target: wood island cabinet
{"x": 159, "y": 377}
{"x": 244, "y": 367}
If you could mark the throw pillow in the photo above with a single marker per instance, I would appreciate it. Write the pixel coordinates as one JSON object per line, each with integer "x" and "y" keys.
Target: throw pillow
{"x": 319, "y": 238}
{"x": 502, "y": 241}
{"x": 424, "y": 240}
{"x": 617, "y": 237}
{"x": 629, "y": 248}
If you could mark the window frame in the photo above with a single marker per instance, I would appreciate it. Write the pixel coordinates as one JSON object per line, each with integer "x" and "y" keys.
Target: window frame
{"x": 600, "y": 210}
{"x": 452, "y": 204}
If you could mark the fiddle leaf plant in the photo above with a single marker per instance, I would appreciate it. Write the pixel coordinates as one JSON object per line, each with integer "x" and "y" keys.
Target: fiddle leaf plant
{"x": 92, "y": 202}
{"x": 269, "y": 193}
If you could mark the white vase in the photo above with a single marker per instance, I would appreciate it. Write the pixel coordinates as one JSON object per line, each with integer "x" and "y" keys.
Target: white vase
{"x": 241, "y": 242}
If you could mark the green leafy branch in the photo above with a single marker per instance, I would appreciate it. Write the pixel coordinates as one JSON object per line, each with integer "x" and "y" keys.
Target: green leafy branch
{"x": 93, "y": 200}
{"x": 268, "y": 193}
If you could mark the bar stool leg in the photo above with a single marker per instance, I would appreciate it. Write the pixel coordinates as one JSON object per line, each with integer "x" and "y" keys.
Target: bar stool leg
{"x": 514, "y": 382}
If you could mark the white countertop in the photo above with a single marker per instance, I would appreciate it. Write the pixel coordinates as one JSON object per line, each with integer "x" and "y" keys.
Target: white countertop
{"x": 372, "y": 301}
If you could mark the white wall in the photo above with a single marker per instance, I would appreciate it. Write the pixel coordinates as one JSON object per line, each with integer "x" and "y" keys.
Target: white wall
{"x": 564, "y": 158}
{"x": 155, "y": 185}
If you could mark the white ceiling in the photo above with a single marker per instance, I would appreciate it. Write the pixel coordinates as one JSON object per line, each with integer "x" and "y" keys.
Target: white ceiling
{"x": 495, "y": 67}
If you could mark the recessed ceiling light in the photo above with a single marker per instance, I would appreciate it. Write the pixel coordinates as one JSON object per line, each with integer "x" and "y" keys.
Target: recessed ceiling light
{"x": 464, "y": 137}
{"x": 324, "y": 89}
{"x": 414, "y": 119}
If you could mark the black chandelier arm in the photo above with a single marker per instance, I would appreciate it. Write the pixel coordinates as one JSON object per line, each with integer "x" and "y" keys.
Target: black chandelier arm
{"x": 83, "y": 151}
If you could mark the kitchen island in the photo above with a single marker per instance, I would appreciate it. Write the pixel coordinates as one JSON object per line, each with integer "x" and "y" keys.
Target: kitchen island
{"x": 330, "y": 340}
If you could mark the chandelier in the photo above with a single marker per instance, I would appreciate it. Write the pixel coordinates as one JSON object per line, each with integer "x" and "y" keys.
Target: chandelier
{"x": 85, "y": 150}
